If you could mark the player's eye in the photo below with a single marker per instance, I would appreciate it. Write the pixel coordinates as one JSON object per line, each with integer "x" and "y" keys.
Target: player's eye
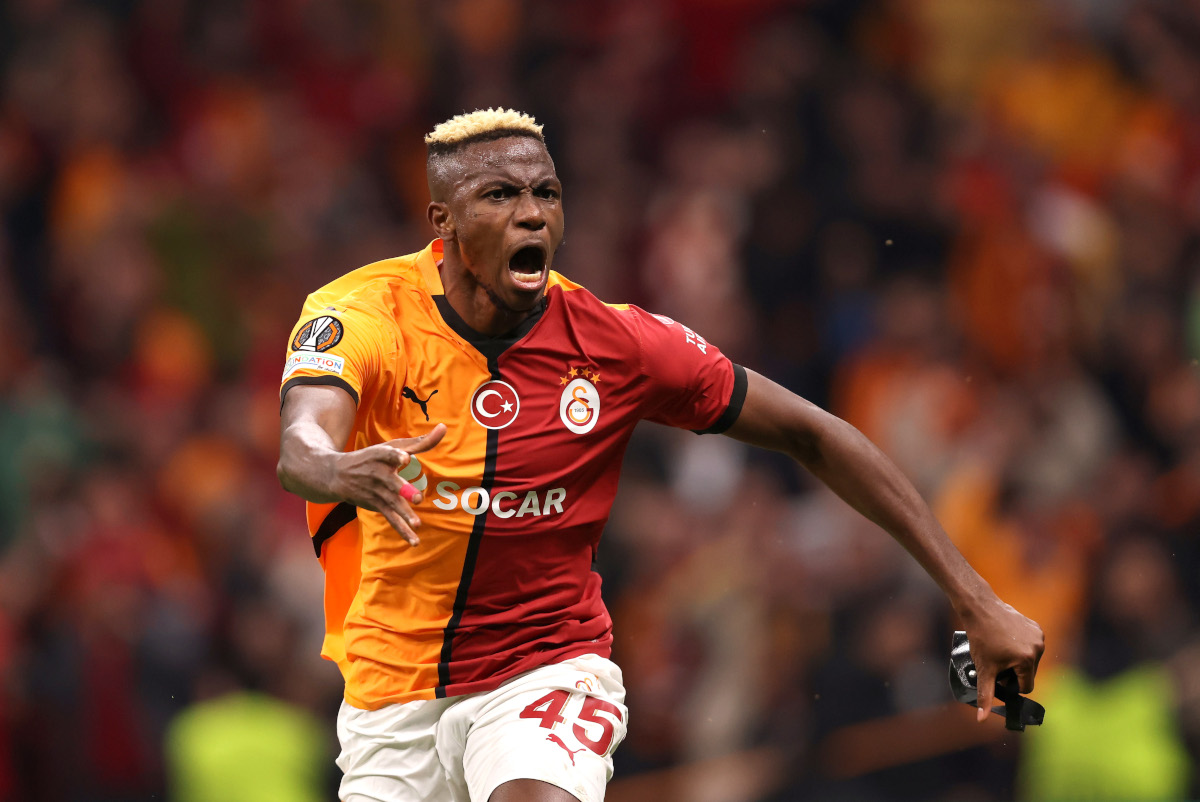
{"x": 550, "y": 193}
{"x": 496, "y": 194}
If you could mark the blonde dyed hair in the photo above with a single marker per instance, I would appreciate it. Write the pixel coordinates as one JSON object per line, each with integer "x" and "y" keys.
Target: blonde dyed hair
{"x": 481, "y": 125}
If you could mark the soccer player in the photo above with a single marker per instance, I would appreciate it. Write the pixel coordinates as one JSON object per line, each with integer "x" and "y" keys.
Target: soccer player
{"x": 471, "y": 394}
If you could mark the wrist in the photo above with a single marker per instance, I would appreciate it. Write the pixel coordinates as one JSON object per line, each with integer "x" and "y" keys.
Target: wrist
{"x": 332, "y": 474}
{"x": 311, "y": 471}
{"x": 971, "y": 597}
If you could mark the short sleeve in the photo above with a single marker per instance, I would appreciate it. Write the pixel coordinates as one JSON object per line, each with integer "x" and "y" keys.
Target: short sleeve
{"x": 690, "y": 384}
{"x": 337, "y": 345}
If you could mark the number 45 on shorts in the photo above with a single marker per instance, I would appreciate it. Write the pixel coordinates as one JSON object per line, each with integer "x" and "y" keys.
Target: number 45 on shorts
{"x": 548, "y": 710}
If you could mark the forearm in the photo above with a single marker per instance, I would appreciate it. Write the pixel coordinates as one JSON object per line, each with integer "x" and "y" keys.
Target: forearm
{"x": 854, "y": 468}
{"x": 308, "y": 462}
{"x": 846, "y": 461}
{"x": 316, "y": 422}
{"x": 1001, "y": 638}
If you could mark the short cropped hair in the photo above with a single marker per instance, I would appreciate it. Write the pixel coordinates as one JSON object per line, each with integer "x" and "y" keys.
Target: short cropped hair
{"x": 482, "y": 125}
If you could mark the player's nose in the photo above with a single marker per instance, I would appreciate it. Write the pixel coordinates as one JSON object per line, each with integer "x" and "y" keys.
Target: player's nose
{"x": 529, "y": 213}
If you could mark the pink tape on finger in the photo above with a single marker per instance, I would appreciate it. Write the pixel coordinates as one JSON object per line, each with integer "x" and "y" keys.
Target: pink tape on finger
{"x": 408, "y": 492}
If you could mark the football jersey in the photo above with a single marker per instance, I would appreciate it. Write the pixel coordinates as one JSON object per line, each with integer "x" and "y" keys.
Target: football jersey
{"x": 517, "y": 492}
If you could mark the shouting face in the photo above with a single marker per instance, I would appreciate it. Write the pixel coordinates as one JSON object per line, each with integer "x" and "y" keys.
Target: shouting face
{"x": 497, "y": 205}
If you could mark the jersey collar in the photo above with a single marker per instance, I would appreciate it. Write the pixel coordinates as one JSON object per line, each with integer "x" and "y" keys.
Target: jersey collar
{"x": 491, "y": 347}
{"x": 427, "y": 261}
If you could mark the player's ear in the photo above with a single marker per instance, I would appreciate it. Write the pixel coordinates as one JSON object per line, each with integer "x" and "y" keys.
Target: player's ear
{"x": 441, "y": 219}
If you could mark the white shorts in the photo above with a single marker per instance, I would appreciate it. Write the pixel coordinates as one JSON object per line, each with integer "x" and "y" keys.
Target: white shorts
{"x": 559, "y": 724}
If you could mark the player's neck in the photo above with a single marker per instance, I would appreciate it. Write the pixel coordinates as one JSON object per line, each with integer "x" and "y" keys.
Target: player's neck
{"x": 475, "y": 304}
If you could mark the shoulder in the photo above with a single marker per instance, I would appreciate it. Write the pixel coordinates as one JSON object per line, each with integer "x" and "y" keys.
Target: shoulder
{"x": 364, "y": 306}
{"x": 659, "y": 340}
{"x": 372, "y": 291}
{"x": 374, "y": 285}
{"x": 584, "y": 308}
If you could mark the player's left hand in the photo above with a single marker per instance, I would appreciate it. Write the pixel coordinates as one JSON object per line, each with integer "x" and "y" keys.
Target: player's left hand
{"x": 1001, "y": 638}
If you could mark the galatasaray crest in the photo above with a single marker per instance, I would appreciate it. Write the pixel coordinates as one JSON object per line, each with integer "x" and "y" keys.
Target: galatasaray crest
{"x": 579, "y": 406}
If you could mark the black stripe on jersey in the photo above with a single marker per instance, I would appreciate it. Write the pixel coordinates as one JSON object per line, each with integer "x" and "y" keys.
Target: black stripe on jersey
{"x": 332, "y": 381}
{"x": 736, "y": 399}
{"x": 464, "y": 582}
{"x": 338, "y": 517}
{"x": 490, "y": 347}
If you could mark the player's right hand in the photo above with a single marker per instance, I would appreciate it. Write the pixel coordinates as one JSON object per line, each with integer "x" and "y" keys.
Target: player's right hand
{"x": 368, "y": 478}
{"x": 1002, "y": 638}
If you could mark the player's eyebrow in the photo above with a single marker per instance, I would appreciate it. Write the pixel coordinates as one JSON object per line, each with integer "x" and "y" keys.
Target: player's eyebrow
{"x": 491, "y": 185}
{"x": 505, "y": 180}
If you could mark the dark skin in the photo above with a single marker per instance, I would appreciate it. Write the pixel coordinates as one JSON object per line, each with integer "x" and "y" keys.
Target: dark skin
{"x": 530, "y": 791}
{"x": 497, "y": 197}
{"x": 491, "y": 200}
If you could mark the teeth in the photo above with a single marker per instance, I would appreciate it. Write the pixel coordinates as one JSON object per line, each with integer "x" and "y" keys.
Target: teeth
{"x": 527, "y": 265}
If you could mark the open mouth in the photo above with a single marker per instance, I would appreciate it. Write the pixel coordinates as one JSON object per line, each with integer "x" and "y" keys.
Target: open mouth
{"x": 528, "y": 266}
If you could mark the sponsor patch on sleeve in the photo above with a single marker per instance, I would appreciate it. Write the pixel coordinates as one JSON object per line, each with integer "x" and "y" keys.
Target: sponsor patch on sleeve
{"x": 308, "y": 360}
{"x": 318, "y": 334}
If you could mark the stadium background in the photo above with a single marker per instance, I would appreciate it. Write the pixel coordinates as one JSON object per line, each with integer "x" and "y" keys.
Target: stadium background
{"x": 971, "y": 228}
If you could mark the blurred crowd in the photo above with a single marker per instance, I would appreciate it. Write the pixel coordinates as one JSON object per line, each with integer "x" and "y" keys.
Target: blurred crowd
{"x": 970, "y": 228}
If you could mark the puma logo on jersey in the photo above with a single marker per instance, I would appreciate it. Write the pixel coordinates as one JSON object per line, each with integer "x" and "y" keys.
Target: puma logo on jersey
{"x": 570, "y": 752}
{"x": 411, "y": 395}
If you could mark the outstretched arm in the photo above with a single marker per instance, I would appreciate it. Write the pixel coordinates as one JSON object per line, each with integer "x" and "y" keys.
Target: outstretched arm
{"x": 854, "y": 468}
{"x": 316, "y": 421}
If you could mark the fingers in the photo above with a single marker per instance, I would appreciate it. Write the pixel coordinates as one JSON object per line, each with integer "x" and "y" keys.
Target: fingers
{"x": 1027, "y": 671}
{"x": 398, "y": 523}
{"x": 415, "y": 445}
{"x": 430, "y": 439}
{"x": 410, "y": 493}
{"x": 372, "y": 481}
{"x": 393, "y": 480}
{"x": 402, "y": 518}
{"x": 985, "y": 685}
{"x": 390, "y": 496}
{"x": 392, "y": 455}
{"x": 1024, "y": 679}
